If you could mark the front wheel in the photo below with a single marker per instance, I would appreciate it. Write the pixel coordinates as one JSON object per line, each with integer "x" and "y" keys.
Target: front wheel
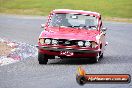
{"x": 42, "y": 58}
{"x": 97, "y": 58}
{"x": 101, "y": 56}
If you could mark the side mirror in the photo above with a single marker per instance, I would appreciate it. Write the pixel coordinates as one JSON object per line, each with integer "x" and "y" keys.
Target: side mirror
{"x": 103, "y": 29}
{"x": 42, "y": 25}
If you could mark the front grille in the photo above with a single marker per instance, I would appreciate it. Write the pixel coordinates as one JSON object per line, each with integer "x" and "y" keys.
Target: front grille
{"x": 65, "y": 42}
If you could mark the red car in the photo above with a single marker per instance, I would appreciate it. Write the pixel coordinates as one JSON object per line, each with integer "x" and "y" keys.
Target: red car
{"x": 72, "y": 33}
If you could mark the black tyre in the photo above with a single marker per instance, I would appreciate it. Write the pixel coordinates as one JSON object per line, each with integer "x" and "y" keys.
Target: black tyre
{"x": 94, "y": 60}
{"x": 97, "y": 58}
{"x": 42, "y": 58}
{"x": 101, "y": 56}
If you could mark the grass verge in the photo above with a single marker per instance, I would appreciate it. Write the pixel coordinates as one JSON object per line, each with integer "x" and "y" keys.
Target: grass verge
{"x": 108, "y": 8}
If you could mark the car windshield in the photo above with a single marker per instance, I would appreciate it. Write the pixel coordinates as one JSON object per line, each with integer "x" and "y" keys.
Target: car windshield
{"x": 74, "y": 20}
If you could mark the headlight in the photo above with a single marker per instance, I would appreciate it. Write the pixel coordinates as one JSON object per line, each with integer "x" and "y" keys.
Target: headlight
{"x": 87, "y": 43}
{"x": 94, "y": 44}
{"x": 80, "y": 43}
{"x": 41, "y": 40}
{"x": 47, "y": 41}
{"x": 54, "y": 42}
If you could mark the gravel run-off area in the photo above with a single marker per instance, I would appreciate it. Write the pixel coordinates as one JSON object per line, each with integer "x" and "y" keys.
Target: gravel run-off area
{"x": 12, "y": 51}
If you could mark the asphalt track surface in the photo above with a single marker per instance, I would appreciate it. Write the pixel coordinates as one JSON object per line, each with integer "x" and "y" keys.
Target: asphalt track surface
{"x": 61, "y": 73}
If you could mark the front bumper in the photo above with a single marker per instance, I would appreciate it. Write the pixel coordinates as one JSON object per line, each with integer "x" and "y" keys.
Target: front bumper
{"x": 68, "y": 49}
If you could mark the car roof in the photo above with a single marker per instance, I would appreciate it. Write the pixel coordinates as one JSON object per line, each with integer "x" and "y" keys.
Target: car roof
{"x": 76, "y": 12}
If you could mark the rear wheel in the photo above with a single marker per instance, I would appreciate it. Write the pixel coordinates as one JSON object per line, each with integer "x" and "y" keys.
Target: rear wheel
{"x": 42, "y": 58}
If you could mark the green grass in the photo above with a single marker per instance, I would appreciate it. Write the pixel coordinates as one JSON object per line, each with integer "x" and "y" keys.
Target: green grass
{"x": 108, "y": 8}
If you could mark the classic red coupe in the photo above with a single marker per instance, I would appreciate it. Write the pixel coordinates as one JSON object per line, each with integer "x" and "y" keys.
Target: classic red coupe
{"x": 72, "y": 34}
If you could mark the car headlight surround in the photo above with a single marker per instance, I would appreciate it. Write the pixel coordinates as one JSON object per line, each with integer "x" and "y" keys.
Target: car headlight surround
{"x": 80, "y": 43}
{"x": 87, "y": 43}
{"x": 54, "y": 41}
{"x": 41, "y": 40}
{"x": 47, "y": 41}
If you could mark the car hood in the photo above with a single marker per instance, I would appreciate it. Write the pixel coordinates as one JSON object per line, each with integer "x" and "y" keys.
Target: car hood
{"x": 69, "y": 33}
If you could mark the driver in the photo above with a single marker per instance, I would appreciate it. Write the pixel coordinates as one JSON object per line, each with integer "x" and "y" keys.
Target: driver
{"x": 62, "y": 21}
